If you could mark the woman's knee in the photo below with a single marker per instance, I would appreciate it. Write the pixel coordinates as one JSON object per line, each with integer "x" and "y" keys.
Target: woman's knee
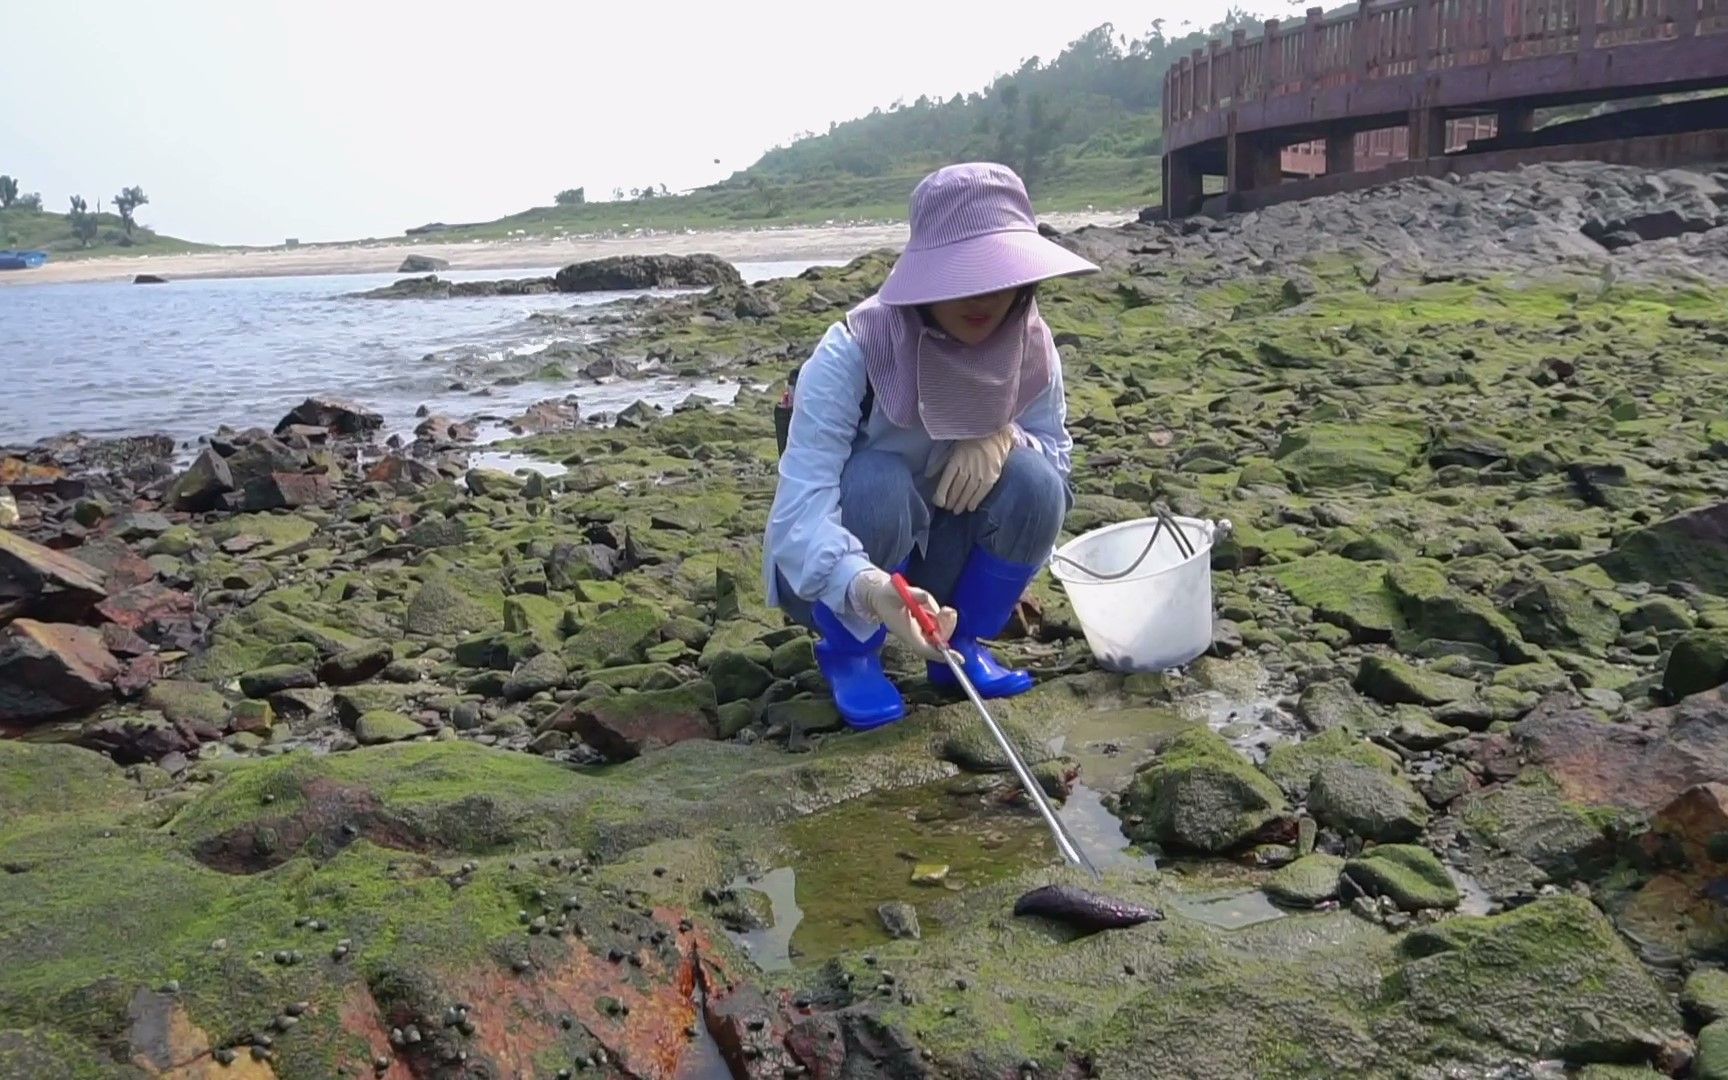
{"x": 1027, "y": 505}
{"x": 880, "y": 505}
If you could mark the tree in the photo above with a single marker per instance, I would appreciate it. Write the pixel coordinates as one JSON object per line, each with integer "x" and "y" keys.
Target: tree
{"x": 31, "y": 202}
{"x": 571, "y": 197}
{"x": 617, "y": 194}
{"x": 84, "y": 223}
{"x": 8, "y": 192}
{"x": 126, "y": 202}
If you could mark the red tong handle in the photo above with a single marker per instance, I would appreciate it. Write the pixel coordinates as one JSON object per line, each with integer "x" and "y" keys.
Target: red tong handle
{"x": 920, "y": 614}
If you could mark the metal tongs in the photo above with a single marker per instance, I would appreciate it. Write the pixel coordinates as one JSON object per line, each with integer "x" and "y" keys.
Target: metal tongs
{"x": 1064, "y": 842}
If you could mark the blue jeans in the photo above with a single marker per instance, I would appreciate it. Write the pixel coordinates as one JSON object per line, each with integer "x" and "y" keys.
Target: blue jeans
{"x": 885, "y": 506}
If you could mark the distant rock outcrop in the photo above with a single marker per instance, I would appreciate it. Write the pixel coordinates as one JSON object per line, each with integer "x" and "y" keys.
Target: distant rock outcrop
{"x": 624, "y": 272}
{"x": 422, "y": 264}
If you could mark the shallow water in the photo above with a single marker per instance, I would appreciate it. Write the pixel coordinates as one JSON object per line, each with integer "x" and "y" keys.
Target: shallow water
{"x": 183, "y": 358}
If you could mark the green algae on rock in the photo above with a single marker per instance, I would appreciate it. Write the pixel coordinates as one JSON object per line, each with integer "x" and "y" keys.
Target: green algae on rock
{"x": 1310, "y": 880}
{"x": 1201, "y": 795}
{"x": 1367, "y": 801}
{"x": 1407, "y": 873}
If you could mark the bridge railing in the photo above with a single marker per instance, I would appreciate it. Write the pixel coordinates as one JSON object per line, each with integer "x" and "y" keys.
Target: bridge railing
{"x": 1391, "y": 38}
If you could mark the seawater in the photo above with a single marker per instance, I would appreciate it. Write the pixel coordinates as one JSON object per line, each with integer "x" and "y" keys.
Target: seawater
{"x": 186, "y": 357}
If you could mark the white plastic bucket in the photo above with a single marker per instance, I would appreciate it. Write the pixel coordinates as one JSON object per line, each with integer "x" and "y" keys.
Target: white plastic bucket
{"x": 1158, "y": 617}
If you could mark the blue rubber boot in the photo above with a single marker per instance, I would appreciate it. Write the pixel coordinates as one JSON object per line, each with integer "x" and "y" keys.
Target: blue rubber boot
{"x": 853, "y": 670}
{"x": 984, "y": 597}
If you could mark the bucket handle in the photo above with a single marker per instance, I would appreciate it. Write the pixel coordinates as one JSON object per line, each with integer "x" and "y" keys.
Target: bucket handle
{"x": 1182, "y": 542}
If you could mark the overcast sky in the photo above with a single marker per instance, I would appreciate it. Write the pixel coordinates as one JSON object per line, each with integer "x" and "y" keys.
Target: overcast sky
{"x": 333, "y": 119}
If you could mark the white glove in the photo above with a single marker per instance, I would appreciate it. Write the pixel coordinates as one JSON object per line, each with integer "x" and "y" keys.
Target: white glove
{"x": 972, "y": 470}
{"x": 872, "y": 593}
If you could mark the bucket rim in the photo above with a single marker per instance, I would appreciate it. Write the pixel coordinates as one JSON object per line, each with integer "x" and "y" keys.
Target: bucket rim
{"x": 1202, "y": 547}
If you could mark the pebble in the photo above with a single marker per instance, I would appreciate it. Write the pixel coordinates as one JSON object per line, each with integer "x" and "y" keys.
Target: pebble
{"x": 380, "y": 1063}
{"x": 224, "y": 1056}
{"x": 299, "y": 1008}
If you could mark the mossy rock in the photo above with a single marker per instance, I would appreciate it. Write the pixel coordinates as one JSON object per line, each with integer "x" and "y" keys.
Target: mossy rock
{"x": 974, "y": 749}
{"x": 1367, "y": 801}
{"x": 1331, "y": 456}
{"x": 185, "y": 701}
{"x": 649, "y": 676}
{"x": 737, "y": 677}
{"x": 1698, "y": 662}
{"x": 1532, "y": 821}
{"x": 1705, "y": 996}
{"x": 1435, "y": 608}
{"x": 1307, "y": 882}
{"x": 381, "y": 726}
{"x": 794, "y": 658}
{"x": 1201, "y": 795}
{"x": 1292, "y": 765}
{"x": 1559, "y": 613}
{"x": 1397, "y": 682}
{"x": 1408, "y": 873}
{"x": 527, "y": 613}
{"x": 1658, "y": 613}
{"x": 1551, "y": 977}
{"x": 536, "y": 676}
{"x": 1336, "y": 705}
{"x": 453, "y": 603}
{"x": 1534, "y": 679}
{"x": 617, "y": 637}
{"x": 1345, "y": 593}
{"x": 1711, "y": 1062}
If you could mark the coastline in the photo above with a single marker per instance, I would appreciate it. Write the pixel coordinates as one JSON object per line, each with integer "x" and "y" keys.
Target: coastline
{"x": 384, "y": 257}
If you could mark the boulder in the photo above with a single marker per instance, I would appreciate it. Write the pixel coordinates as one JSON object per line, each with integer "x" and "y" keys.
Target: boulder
{"x": 539, "y": 674}
{"x": 1330, "y": 456}
{"x": 453, "y": 603}
{"x": 263, "y": 682}
{"x": 1435, "y": 608}
{"x": 188, "y": 702}
{"x": 1310, "y": 880}
{"x": 1642, "y": 764}
{"x": 1200, "y": 795}
{"x": 1689, "y": 548}
{"x": 1368, "y": 802}
{"x": 384, "y": 726}
{"x": 334, "y": 415}
{"x": 1698, "y": 662}
{"x": 1530, "y": 820}
{"x": 356, "y": 665}
{"x": 629, "y": 272}
{"x": 422, "y": 264}
{"x": 1409, "y": 874}
{"x": 1397, "y": 682}
{"x": 1705, "y": 996}
{"x": 49, "y": 670}
{"x": 1325, "y": 706}
{"x": 1712, "y": 1060}
{"x": 45, "y": 584}
{"x": 1292, "y": 765}
{"x": 1559, "y": 613}
{"x": 624, "y": 726}
{"x": 202, "y": 486}
{"x": 1498, "y": 979}
{"x": 130, "y": 740}
{"x": 1345, "y": 593}
{"x": 736, "y": 677}
{"x": 616, "y": 637}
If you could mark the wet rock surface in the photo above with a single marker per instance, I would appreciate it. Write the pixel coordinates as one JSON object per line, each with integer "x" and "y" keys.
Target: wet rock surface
{"x": 326, "y": 755}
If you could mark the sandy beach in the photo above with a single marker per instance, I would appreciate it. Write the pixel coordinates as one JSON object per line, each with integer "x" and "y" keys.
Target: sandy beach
{"x": 382, "y": 257}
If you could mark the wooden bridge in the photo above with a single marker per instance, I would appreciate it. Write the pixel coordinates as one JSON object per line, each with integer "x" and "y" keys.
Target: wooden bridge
{"x": 1393, "y": 88}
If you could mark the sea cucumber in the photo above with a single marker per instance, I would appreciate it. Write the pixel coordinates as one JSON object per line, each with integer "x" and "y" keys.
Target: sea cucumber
{"x": 1086, "y": 910}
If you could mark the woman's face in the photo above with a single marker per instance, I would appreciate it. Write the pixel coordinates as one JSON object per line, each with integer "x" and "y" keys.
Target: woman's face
{"x": 971, "y": 319}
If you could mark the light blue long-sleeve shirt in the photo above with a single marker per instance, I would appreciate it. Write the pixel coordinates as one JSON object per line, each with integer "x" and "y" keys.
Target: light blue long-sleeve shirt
{"x": 805, "y": 540}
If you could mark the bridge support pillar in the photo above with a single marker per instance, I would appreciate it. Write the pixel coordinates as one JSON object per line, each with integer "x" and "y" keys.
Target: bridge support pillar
{"x": 1340, "y": 153}
{"x": 1514, "y": 120}
{"x": 1184, "y": 184}
{"x": 1254, "y": 163}
{"x": 1427, "y": 134}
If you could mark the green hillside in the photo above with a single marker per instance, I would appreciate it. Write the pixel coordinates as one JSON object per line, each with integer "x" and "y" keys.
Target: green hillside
{"x": 40, "y": 230}
{"x": 1083, "y": 129}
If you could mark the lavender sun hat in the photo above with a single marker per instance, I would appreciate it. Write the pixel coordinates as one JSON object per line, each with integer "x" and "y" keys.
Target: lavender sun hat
{"x": 973, "y": 232}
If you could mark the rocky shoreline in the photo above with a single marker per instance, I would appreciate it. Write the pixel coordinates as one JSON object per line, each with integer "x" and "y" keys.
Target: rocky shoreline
{"x": 334, "y": 756}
